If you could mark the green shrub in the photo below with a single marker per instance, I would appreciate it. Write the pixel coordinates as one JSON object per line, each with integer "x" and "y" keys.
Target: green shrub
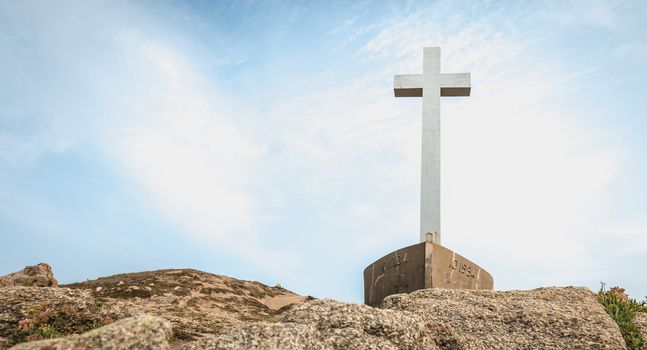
{"x": 18, "y": 337}
{"x": 47, "y": 331}
{"x": 623, "y": 309}
{"x": 43, "y": 331}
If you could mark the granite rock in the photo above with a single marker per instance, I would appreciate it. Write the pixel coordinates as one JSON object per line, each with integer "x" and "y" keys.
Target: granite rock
{"x": 328, "y": 324}
{"x": 32, "y": 313}
{"x": 207, "y": 311}
{"x": 197, "y": 303}
{"x": 39, "y": 275}
{"x": 136, "y": 333}
{"x": 544, "y": 318}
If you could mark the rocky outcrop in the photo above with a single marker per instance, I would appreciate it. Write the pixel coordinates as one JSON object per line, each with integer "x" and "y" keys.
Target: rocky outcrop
{"x": 328, "y": 324}
{"x": 31, "y": 313}
{"x": 31, "y": 276}
{"x": 544, "y": 318}
{"x": 189, "y": 310}
{"x": 136, "y": 333}
{"x": 197, "y": 303}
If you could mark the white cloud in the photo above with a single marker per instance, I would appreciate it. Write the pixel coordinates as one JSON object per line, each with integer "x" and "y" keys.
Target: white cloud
{"x": 632, "y": 228}
{"x": 596, "y": 14}
{"x": 519, "y": 171}
{"x": 118, "y": 86}
{"x": 180, "y": 144}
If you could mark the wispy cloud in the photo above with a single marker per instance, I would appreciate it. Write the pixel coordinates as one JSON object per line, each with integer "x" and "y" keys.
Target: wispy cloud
{"x": 519, "y": 172}
{"x": 631, "y": 228}
{"x": 150, "y": 113}
{"x": 179, "y": 143}
{"x": 320, "y": 171}
{"x": 598, "y": 14}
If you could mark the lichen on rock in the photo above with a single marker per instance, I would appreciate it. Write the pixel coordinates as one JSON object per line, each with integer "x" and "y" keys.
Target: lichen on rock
{"x": 135, "y": 333}
{"x": 328, "y": 324}
{"x": 197, "y": 303}
{"x": 544, "y": 318}
{"x": 31, "y": 313}
{"x": 190, "y": 310}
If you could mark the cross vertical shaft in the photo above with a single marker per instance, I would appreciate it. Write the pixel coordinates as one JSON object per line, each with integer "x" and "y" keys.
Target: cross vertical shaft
{"x": 431, "y": 85}
{"x": 430, "y": 175}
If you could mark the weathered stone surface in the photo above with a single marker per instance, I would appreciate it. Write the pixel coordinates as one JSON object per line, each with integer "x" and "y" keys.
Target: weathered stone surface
{"x": 26, "y": 313}
{"x": 365, "y": 326}
{"x": 423, "y": 265}
{"x": 135, "y": 333}
{"x": 37, "y": 276}
{"x": 641, "y": 321}
{"x": 261, "y": 336}
{"x": 545, "y": 318}
{"x": 197, "y": 303}
{"x": 72, "y": 343}
{"x": 327, "y": 324}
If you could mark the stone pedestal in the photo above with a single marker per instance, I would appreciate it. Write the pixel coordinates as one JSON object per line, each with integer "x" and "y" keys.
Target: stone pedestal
{"x": 423, "y": 265}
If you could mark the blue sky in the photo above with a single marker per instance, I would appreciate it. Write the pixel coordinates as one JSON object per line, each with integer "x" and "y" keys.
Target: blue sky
{"x": 261, "y": 140}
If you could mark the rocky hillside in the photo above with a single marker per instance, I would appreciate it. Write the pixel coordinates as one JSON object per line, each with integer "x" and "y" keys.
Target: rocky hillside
{"x": 197, "y": 303}
{"x": 189, "y": 310}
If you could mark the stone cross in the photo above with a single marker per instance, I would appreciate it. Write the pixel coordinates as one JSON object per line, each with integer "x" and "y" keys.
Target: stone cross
{"x": 430, "y": 85}
{"x": 427, "y": 264}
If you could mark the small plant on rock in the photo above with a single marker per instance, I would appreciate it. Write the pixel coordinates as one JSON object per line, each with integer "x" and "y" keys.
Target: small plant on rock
{"x": 29, "y": 331}
{"x": 46, "y": 331}
{"x": 623, "y": 309}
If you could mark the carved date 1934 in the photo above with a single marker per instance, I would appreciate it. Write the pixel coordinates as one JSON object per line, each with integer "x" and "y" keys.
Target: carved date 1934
{"x": 465, "y": 269}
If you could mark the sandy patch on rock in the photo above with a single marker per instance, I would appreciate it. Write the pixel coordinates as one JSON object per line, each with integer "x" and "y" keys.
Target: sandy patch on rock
{"x": 279, "y": 301}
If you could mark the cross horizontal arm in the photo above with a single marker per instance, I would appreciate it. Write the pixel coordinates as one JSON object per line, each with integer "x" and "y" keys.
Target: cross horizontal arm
{"x": 408, "y": 85}
{"x": 455, "y": 84}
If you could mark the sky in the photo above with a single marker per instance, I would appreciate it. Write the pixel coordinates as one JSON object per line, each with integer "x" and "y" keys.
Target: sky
{"x": 262, "y": 140}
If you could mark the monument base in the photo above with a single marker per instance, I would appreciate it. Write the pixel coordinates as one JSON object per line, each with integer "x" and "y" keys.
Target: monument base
{"x": 423, "y": 265}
